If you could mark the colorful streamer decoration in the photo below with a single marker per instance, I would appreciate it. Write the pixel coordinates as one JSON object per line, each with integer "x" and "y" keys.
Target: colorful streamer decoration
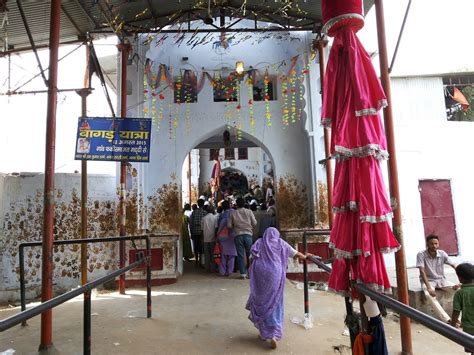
{"x": 250, "y": 103}
{"x": 179, "y": 99}
{"x": 284, "y": 104}
{"x": 293, "y": 96}
{"x": 158, "y": 78}
{"x": 304, "y": 71}
{"x": 187, "y": 111}
{"x": 238, "y": 107}
{"x": 154, "y": 84}
{"x": 145, "y": 95}
{"x": 268, "y": 115}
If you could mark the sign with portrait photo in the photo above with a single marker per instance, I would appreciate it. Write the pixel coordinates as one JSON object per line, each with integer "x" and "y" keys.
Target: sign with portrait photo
{"x": 113, "y": 139}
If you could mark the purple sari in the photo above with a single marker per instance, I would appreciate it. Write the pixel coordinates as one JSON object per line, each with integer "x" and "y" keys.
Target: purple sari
{"x": 228, "y": 250}
{"x": 267, "y": 282}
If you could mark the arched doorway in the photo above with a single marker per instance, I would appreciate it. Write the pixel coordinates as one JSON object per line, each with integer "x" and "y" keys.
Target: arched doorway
{"x": 247, "y": 157}
{"x": 241, "y": 165}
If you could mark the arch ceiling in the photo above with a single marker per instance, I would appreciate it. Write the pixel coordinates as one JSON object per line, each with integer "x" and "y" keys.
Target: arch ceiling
{"x": 128, "y": 17}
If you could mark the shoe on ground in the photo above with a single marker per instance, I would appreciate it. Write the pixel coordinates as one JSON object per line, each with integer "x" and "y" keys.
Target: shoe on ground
{"x": 243, "y": 276}
{"x": 273, "y": 343}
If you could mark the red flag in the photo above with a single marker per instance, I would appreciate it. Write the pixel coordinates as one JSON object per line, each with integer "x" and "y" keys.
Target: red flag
{"x": 458, "y": 96}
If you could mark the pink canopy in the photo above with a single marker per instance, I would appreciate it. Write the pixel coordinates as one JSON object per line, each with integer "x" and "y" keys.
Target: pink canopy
{"x": 352, "y": 99}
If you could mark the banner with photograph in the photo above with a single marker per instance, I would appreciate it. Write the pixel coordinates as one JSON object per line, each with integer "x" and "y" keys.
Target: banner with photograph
{"x": 113, "y": 139}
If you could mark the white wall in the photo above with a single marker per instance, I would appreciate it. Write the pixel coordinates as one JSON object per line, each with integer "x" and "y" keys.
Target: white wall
{"x": 430, "y": 147}
{"x": 195, "y": 173}
{"x": 287, "y": 146}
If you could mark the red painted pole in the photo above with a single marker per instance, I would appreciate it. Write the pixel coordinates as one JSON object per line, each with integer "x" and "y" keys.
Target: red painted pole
{"x": 321, "y": 43}
{"x": 124, "y": 48}
{"x": 402, "y": 283}
{"x": 189, "y": 177}
{"x": 48, "y": 211}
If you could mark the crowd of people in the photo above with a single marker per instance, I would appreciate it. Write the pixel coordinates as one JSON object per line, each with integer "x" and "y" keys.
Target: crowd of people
{"x": 243, "y": 231}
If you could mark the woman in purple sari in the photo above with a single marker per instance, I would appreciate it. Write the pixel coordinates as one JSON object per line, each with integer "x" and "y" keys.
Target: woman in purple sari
{"x": 269, "y": 256}
{"x": 225, "y": 236}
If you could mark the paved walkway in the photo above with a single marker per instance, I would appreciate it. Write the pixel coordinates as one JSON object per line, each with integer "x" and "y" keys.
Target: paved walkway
{"x": 203, "y": 314}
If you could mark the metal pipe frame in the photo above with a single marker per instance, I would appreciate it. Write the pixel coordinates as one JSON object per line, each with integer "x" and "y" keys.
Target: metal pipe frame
{"x": 84, "y": 93}
{"x": 439, "y": 327}
{"x": 215, "y": 30}
{"x": 400, "y": 262}
{"x": 50, "y": 151}
{"x": 21, "y": 256}
{"x": 392, "y": 63}
{"x": 30, "y": 38}
{"x": 321, "y": 43}
{"x": 305, "y": 275}
{"x": 347, "y": 300}
{"x": 56, "y": 301}
{"x": 124, "y": 48}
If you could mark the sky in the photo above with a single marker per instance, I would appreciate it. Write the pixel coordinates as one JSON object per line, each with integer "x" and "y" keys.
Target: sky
{"x": 23, "y": 117}
{"x": 436, "y": 40}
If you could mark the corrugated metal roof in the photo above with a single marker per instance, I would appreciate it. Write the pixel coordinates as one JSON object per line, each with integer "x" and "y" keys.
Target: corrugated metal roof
{"x": 126, "y": 17}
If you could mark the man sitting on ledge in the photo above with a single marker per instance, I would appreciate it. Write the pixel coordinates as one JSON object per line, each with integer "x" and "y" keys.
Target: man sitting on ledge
{"x": 431, "y": 262}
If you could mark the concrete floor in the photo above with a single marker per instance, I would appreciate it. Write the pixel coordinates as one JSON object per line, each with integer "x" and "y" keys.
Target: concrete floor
{"x": 203, "y": 314}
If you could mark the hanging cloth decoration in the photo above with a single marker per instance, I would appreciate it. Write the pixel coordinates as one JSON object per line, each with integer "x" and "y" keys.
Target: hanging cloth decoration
{"x": 353, "y": 97}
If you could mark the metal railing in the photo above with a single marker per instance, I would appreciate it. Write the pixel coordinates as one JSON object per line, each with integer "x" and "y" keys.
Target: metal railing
{"x": 439, "y": 327}
{"x": 86, "y": 290}
{"x": 22, "y": 246}
{"x": 347, "y": 300}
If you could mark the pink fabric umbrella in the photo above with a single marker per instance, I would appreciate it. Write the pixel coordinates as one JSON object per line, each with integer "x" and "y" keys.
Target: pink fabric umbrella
{"x": 216, "y": 174}
{"x": 353, "y": 97}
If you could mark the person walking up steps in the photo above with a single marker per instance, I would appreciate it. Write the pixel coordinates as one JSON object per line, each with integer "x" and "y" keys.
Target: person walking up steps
{"x": 242, "y": 221}
{"x": 225, "y": 236}
{"x": 269, "y": 261}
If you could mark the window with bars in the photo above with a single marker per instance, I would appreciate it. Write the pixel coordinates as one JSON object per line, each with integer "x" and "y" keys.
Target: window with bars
{"x": 459, "y": 97}
{"x": 229, "y": 154}
{"x": 242, "y": 154}
{"x": 213, "y": 154}
{"x": 259, "y": 90}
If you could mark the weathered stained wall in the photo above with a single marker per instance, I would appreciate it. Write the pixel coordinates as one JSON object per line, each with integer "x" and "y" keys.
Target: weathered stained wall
{"x": 22, "y": 205}
{"x": 292, "y": 201}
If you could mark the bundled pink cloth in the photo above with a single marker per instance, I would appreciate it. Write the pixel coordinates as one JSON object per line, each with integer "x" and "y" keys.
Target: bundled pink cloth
{"x": 361, "y": 230}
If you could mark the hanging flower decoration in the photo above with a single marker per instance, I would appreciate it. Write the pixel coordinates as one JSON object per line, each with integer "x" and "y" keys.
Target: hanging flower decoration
{"x": 238, "y": 107}
{"x": 155, "y": 84}
{"x": 145, "y": 95}
{"x": 304, "y": 72}
{"x": 250, "y": 104}
{"x": 187, "y": 111}
{"x": 293, "y": 79}
{"x": 268, "y": 115}
{"x": 284, "y": 104}
{"x": 179, "y": 98}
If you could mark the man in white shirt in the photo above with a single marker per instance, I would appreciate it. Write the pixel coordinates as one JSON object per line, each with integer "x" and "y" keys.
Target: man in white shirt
{"x": 242, "y": 221}
{"x": 431, "y": 262}
{"x": 209, "y": 226}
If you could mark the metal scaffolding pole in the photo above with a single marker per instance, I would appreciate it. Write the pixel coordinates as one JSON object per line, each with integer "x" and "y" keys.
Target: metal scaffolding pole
{"x": 48, "y": 209}
{"x": 321, "y": 43}
{"x": 402, "y": 283}
{"x": 84, "y": 93}
{"x": 124, "y": 48}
